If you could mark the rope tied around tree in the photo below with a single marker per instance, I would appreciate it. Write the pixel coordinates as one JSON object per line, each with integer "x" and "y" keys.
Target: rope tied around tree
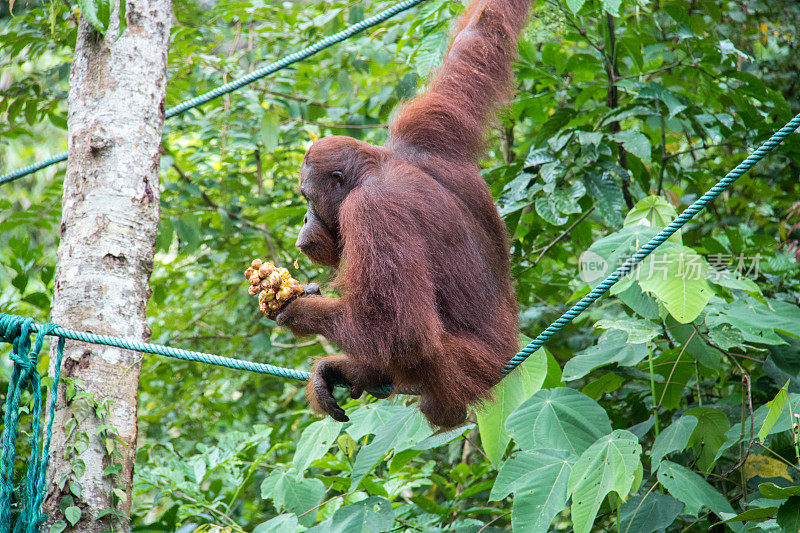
{"x": 17, "y": 330}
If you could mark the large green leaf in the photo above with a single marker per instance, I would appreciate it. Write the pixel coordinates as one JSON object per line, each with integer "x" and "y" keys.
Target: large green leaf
{"x": 607, "y": 195}
{"x": 515, "y": 388}
{"x": 651, "y": 211}
{"x": 561, "y": 419}
{"x": 659, "y": 92}
{"x": 789, "y": 514}
{"x": 613, "y": 250}
{"x": 395, "y": 427}
{"x": 676, "y": 276}
{"x": 608, "y": 465}
{"x": 373, "y": 515}
{"x": 694, "y": 491}
{"x": 756, "y": 320}
{"x": 639, "y": 331}
{"x": 776, "y": 407}
{"x": 314, "y": 442}
{"x": 538, "y": 480}
{"x": 634, "y": 142}
{"x": 548, "y": 210}
{"x": 292, "y": 494}
{"x": 675, "y": 368}
{"x": 611, "y": 347}
{"x": 774, "y": 492}
{"x": 709, "y": 434}
{"x": 645, "y": 513}
{"x": 279, "y": 524}
{"x": 674, "y": 438}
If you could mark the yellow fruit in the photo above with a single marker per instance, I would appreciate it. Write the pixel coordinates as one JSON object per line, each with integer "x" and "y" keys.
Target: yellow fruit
{"x": 275, "y": 280}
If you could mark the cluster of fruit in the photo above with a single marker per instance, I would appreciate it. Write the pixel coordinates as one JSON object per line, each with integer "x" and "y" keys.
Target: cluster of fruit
{"x": 274, "y": 286}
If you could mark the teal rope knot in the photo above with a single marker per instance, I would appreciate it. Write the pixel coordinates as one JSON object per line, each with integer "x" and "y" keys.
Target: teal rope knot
{"x": 26, "y": 516}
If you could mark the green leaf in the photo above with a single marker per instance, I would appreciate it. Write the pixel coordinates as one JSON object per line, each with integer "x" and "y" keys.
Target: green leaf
{"x": 789, "y": 514}
{"x": 776, "y": 407}
{"x": 546, "y": 208}
{"x": 642, "y": 304}
{"x": 315, "y": 441}
{"x": 439, "y": 439}
{"x": 761, "y": 514}
{"x": 676, "y": 369}
{"x": 673, "y": 438}
{"x": 58, "y": 527}
{"x": 280, "y": 524}
{"x": 726, "y": 278}
{"x": 607, "y": 194}
{"x": 396, "y": 427}
{"x": 611, "y": 347}
{"x": 189, "y": 232}
{"x": 561, "y": 419}
{"x": 669, "y": 98}
{"x": 72, "y": 514}
{"x": 709, "y": 434}
{"x": 612, "y": 6}
{"x": 756, "y": 320}
{"x": 575, "y": 5}
{"x": 97, "y": 12}
{"x": 646, "y": 513}
{"x": 373, "y": 515}
{"x": 614, "y": 249}
{"x": 653, "y": 211}
{"x": 270, "y": 131}
{"x": 787, "y": 357}
{"x": 515, "y": 388}
{"x": 639, "y": 331}
{"x": 676, "y": 276}
{"x": 774, "y": 492}
{"x": 293, "y": 494}
{"x": 608, "y": 465}
{"x": 693, "y": 345}
{"x": 693, "y": 491}
{"x": 538, "y": 480}
{"x": 635, "y": 143}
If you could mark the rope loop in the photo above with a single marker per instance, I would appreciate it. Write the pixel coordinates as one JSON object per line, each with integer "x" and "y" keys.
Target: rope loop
{"x": 16, "y": 331}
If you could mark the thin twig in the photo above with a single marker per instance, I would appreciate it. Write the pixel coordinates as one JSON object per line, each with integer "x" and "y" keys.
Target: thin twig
{"x": 561, "y": 236}
{"x": 683, "y": 349}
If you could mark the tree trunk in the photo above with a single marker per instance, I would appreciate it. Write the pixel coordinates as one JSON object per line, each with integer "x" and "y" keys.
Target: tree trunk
{"x": 109, "y": 222}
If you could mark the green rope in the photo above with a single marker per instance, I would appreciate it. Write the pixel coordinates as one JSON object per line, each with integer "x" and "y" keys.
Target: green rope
{"x": 17, "y": 331}
{"x": 257, "y": 74}
{"x": 166, "y": 351}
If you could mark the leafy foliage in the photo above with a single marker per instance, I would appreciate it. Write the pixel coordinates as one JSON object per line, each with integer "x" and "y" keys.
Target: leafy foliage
{"x": 675, "y": 387}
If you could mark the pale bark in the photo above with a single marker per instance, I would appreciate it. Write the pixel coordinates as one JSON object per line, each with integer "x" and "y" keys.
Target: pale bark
{"x": 110, "y": 212}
